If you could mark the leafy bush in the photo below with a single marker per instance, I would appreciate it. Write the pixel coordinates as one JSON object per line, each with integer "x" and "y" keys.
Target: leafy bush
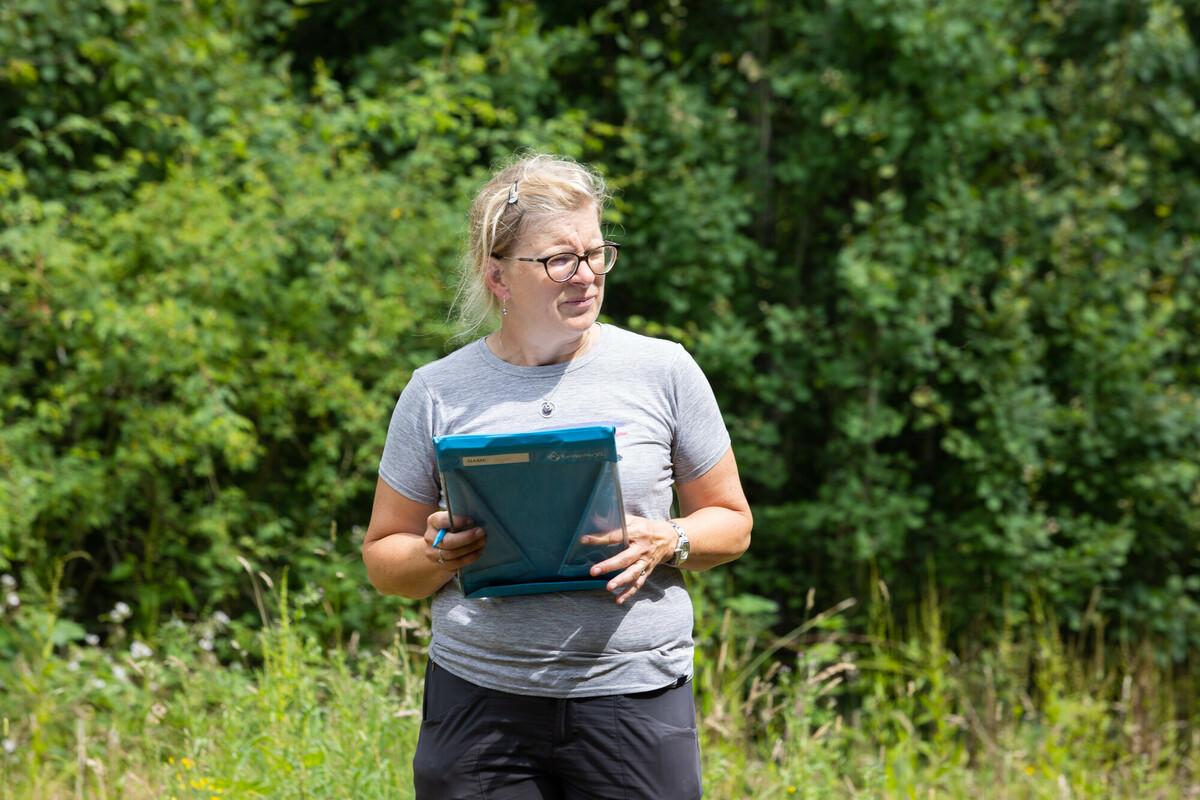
{"x": 939, "y": 261}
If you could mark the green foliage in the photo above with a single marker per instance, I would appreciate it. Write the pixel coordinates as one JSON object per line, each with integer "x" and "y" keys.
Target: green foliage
{"x": 278, "y": 716}
{"x": 896, "y": 714}
{"x": 939, "y": 261}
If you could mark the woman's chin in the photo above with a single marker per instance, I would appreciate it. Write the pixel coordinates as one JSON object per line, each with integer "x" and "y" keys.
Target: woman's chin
{"x": 582, "y": 322}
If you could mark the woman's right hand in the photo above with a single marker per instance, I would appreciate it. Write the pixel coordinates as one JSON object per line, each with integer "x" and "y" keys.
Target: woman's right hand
{"x": 398, "y": 547}
{"x": 458, "y": 548}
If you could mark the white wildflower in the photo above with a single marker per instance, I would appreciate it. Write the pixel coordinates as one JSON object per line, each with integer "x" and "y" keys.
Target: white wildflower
{"x": 138, "y": 650}
{"x": 72, "y": 666}
{"x": 120, "y": 612}
{"x": 12, "y": 599}
{"x": 221, "y": 618}
{"x": 98, "y": 683}
{"x": 8, "y": 581}
{"x": 206, "y": 644}
{"x": 92, "y": 639}
{"x": 120, "y": 673}
{"x": 10, "y": 746}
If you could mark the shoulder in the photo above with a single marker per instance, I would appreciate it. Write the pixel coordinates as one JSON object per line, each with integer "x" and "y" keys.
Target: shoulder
{"x": 654, "y": 361}
{"x": 451, "y": 369}
{"x": 645, "y": 350}
{"x": 657, "y": 362}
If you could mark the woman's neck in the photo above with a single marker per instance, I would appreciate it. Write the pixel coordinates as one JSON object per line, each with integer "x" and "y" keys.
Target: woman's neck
{"x": 508, "y": 346}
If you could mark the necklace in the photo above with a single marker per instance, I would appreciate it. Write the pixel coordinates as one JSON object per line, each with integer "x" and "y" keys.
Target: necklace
{"x": 546, "y": 406}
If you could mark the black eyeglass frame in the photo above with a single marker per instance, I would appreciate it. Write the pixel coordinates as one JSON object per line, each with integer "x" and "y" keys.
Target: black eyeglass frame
{"x": 579, "y": 259}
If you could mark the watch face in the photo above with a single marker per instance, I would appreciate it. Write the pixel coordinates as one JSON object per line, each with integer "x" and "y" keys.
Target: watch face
{"x": 682, "y": 548}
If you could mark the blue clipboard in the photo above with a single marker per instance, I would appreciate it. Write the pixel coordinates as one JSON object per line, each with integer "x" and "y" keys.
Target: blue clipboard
{"x": 535, "y": 494}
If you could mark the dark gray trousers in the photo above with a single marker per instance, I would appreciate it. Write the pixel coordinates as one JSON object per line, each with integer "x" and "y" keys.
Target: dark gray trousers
{"x": 487, "y": 745}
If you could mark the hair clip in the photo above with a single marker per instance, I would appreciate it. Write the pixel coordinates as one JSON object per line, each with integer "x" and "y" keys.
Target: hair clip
{"x": 512, "y": 194}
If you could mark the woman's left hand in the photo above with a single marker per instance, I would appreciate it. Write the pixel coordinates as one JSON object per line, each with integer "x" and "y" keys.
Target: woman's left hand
{"x": 651, "y": 542}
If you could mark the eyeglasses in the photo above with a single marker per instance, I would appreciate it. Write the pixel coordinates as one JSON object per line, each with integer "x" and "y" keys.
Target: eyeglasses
{"x": 561, "y": 267}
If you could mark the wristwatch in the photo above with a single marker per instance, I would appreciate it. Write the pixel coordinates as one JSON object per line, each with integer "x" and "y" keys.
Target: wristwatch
{"x": 683, "y": 547}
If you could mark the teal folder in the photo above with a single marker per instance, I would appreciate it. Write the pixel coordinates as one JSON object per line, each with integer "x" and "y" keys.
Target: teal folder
{"x": 535, "y": 494}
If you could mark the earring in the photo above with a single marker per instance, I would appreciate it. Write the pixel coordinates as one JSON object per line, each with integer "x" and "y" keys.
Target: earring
{"x": 504, "y": 308}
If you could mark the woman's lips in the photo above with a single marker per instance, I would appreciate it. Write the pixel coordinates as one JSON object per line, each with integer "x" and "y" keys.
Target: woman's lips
{"x": 580, "y": 303}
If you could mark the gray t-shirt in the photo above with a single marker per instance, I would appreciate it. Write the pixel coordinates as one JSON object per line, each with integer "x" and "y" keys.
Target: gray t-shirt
{"x": 669, "y": 429}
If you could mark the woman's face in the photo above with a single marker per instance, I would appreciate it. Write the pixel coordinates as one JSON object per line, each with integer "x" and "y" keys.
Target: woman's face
{"x": 543, "y": 310}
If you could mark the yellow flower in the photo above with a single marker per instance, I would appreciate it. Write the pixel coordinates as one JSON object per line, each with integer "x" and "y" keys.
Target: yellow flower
{"x": 187, "y": 762}
{"x": 791, "y": 790}
{"x": 1029, "y": 770}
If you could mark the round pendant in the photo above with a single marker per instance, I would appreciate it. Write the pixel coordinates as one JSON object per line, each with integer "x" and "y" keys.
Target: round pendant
{"x": 547, "y": 408}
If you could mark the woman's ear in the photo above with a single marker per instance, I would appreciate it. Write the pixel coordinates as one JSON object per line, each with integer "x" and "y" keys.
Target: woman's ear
{"x": 495, "y": 280}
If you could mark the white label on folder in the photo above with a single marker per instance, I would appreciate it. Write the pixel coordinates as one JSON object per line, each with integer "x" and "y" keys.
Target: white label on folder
{"x": 506, "y": 458}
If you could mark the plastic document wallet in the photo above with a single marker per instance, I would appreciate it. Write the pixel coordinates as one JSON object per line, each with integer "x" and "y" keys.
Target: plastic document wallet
{"x": 535, "y": 494}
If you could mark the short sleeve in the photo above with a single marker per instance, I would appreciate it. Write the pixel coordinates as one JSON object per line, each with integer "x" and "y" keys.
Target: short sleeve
{"x": 701, "y": 439}
{"x": 408, "y": 464}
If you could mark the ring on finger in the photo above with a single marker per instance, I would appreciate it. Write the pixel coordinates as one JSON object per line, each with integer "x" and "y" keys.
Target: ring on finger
{"x": 441, "y": 559}
{"x": 642, "y": 574}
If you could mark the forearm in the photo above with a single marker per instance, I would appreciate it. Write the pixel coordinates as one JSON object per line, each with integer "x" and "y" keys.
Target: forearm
{"x": 716, "y": 536}
{"x": 396, "y": 565}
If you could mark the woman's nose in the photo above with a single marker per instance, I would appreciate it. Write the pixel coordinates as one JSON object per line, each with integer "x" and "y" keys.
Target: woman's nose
{"x": 579, "y": 277}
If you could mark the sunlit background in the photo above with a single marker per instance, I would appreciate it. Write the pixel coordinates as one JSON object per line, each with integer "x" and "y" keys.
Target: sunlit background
{"x": 939, "y": 260}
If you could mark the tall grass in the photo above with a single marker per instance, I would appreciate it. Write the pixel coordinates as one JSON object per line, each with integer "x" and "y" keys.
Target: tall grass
{"x": 889, "y": 711}
{"x": 823, "y": 712}
{"x": 287, "y": 718}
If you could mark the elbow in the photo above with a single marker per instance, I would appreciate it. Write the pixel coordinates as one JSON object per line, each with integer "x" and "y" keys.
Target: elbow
{"x": 376, "y": 576}
{"x": 400, "y": 591}
{"x": 746, "y": 527}
{"x": 385, "y": 578}
{"x": 734, "y": 542}
{"x": 388, "y": 586}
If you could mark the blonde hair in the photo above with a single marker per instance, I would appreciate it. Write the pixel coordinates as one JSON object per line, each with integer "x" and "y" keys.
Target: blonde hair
{"x": 523, "y": 193}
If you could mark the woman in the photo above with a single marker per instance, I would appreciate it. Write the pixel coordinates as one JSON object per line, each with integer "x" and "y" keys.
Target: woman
{"x": 581, "y": 694}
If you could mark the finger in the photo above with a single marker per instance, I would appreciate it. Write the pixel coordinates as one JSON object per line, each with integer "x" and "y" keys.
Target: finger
{"x": 459, "y": 552}
{"x": 453, "y": 541}
{"x": 628, "y": 576}
{"x": 441, "y": 519}
{"x": 608, "y": 537}
{"x": 459, "y": 522}
{"x": 622, "y": 560}
{"x": 455, "y": 564}
{"x": 639, "y": 580}
{"x": 442, "y": 555}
